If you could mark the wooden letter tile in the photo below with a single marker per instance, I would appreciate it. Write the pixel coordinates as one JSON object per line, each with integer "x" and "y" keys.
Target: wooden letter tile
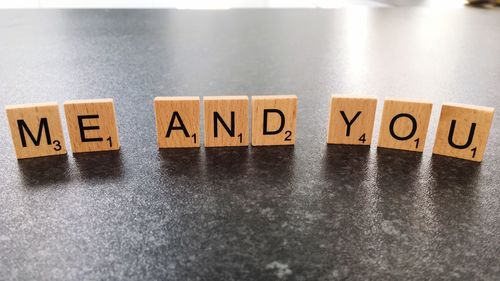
{"x": 463, "y": 131}
{"x": 404, "y": 124}
{"x": 92, "y": 125}
{"x": 351, "y": 120}
{"x": 36, "y": 130}
{"x": 177, "y": 121}
{"x": 226, "y": 121}
{"x": 273, "y": 120}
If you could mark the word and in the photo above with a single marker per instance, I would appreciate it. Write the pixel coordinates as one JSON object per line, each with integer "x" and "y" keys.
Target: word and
{"x": 462, "y": 129}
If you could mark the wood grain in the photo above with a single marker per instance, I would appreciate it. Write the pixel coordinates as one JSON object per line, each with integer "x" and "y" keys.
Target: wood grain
{"x": 351, "y": 119}
{"x": 463, "y": 131}
{"x": 36, "y": 130}
{"x": 271, "y": 130}
{"x": 92, "y": 125}
{"x": 410, "y": 121}
{"x": 182, "y": 116}
{"x": 231, "y": 111}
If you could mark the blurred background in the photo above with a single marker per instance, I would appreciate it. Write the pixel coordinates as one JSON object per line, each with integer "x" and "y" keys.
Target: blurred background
{"x": 231, "y": 4}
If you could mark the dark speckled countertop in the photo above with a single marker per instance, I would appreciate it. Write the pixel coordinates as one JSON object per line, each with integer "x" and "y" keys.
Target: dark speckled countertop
{"x": 309, "y": 212}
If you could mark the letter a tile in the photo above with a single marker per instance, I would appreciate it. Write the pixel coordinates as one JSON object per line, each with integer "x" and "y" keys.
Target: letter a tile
{"x": 351, "y": 120}
{"x": 92, "y": 125}
{"x": 226, "y": 121}
{"x": 404, "y": 124}
{"x": 463, "y": 131}
{"x": 36, "y": 130}
{"x": 177, "y": 121}
{"x": 273, "y": 120}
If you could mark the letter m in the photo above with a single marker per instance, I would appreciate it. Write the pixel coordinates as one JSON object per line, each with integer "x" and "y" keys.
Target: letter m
{"x": 44, "y": 126}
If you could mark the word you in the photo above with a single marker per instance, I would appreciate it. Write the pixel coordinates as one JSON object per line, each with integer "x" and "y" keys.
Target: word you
{"x": 462, "y": 130}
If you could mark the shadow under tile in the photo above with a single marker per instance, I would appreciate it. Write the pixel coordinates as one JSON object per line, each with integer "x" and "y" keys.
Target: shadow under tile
{"x": 448, "y": 172}
{"x": 175, "y": 162}
{"x": 273, "y": 163}
{"x": 398, "y": 168}
{"x": 345, "y": 164}
{"x": 44, "y": 171}
{"x": 100, "y": 165}
{"x": 226, "y": 162}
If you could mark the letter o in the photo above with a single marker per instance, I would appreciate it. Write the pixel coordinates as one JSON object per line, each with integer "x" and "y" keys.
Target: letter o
{"x": 413, "y": 129}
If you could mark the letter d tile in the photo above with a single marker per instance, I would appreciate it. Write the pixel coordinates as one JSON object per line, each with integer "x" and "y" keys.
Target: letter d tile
{"x": 273, "y": 120}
